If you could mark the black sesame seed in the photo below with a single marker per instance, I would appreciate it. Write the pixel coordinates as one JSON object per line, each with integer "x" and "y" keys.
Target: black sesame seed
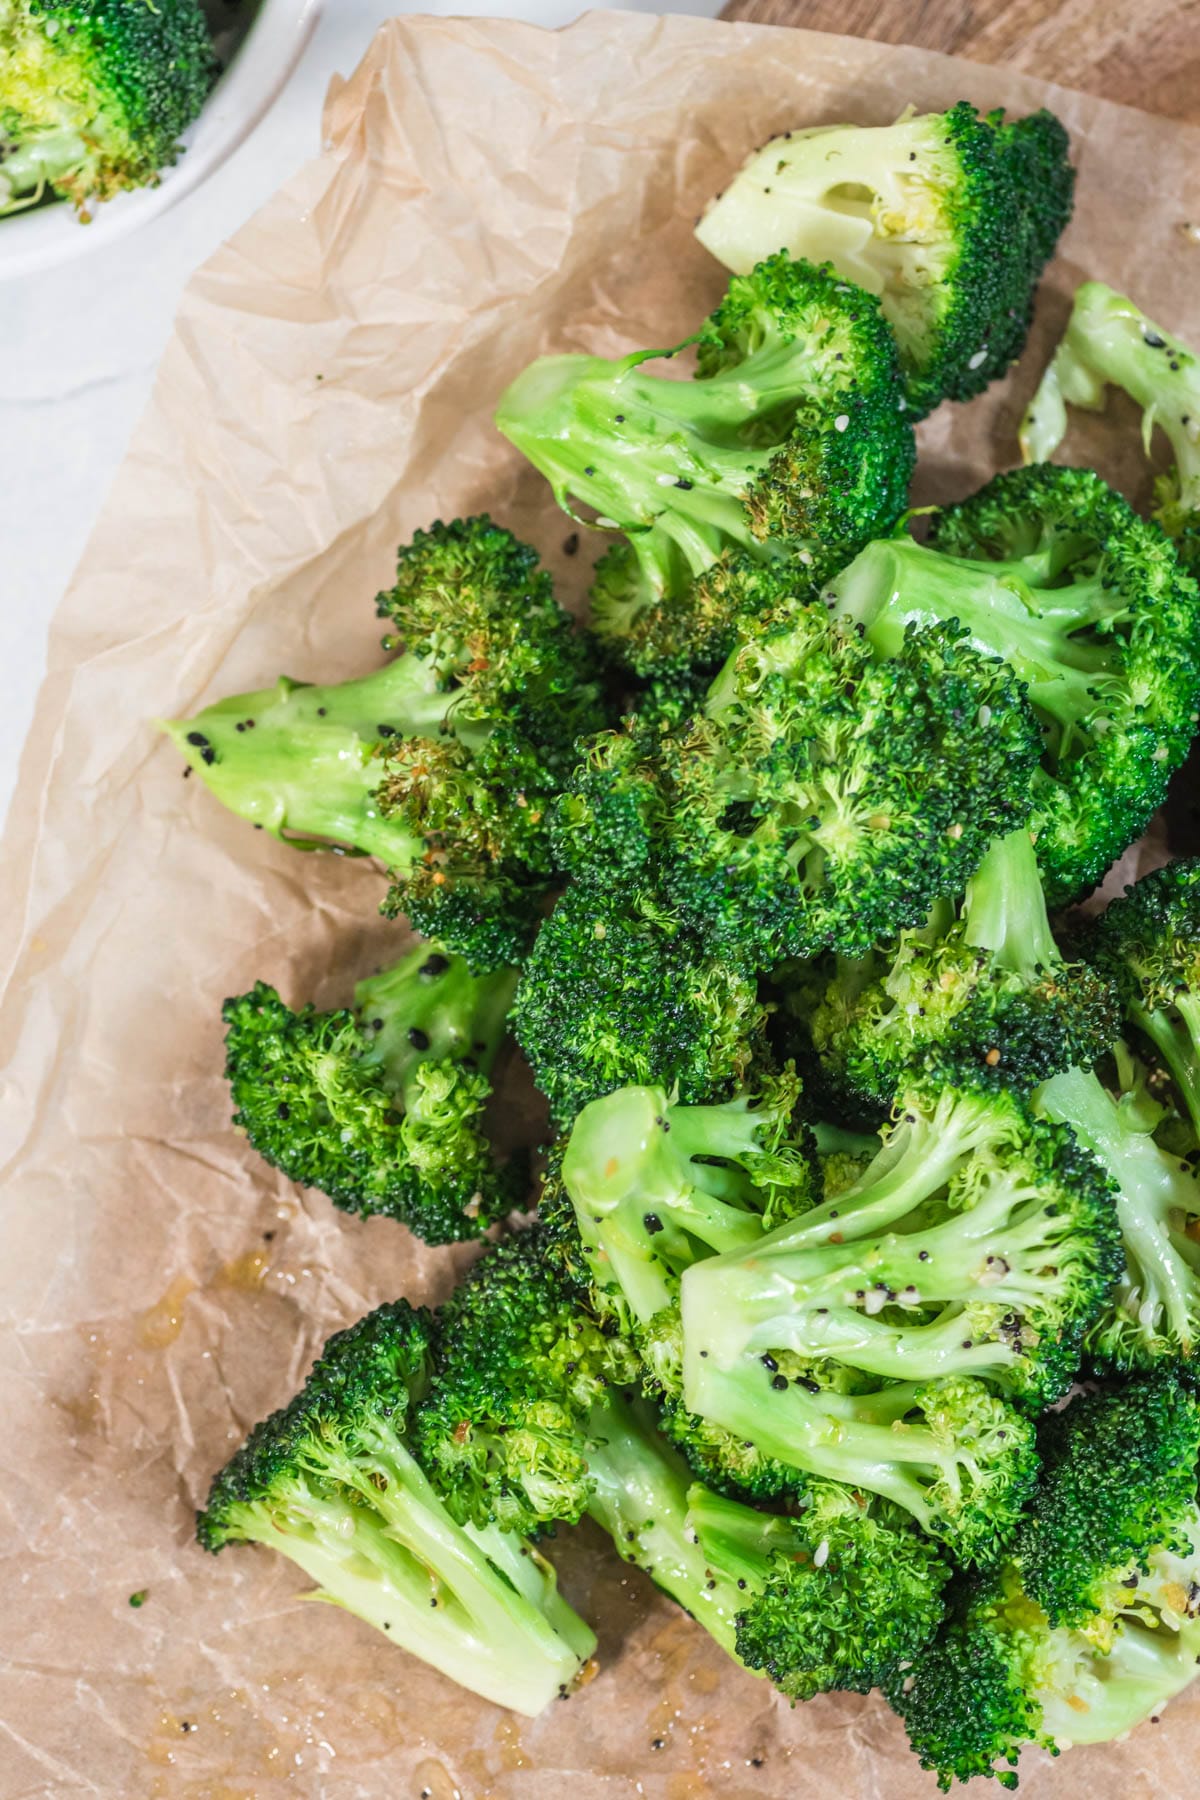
{"x": 437, "y": 964}
{"x": 653, "y": 1223}
{"x": 417, "y": 1038}
{"x": 283, "y": 1110}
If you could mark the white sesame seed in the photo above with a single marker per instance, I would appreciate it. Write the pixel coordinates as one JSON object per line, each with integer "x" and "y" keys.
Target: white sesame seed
{"x": 841, "y": 422}
{"x": 821, "y": 1554}
{"x": 977, "y": 361}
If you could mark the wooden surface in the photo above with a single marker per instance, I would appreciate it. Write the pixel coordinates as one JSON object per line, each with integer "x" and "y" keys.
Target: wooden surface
{"x": 1143, "y": 52}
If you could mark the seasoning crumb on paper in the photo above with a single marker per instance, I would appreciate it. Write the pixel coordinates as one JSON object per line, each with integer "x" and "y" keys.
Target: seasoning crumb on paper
{"x": 490, "y": 192}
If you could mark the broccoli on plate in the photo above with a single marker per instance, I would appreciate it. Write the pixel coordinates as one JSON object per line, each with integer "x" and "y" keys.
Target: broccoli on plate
{"x": 94, "y": 95}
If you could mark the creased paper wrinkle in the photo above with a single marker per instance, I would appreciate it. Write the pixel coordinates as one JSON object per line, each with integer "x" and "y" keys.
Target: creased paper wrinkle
{"x": 490, "y": 192}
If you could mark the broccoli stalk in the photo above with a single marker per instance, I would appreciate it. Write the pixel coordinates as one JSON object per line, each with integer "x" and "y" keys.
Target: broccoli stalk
{"x": 306, "y": 761}
{"x": 95, "y": 93}
{"x": 1148, "y": 943}
{"x": 948, "y": 217}
{"x": 1054, "y": 573}
{"x": 1092, "y": 1625}
{"x": 1110, "y": 342}
{"x": 330, "y": 1482}
{"x": 1155, "y": 1309}
{"x": 382, "y": 1107}
{"x": 443, "y": 764}
{"x": 986, "y": 999}
{"x": 791, "y": 442}
{"x": 978, "y": 1243}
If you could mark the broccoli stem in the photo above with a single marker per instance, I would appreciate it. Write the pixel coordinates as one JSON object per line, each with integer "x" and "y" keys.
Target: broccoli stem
{"x": 609, "y": 437}
{"x": 628, "y": 1162}
{"x": 1005, "y": 909}
{"x": 896, "y": 582}
{"x": 640, "y": 1497}
{"x": 825, "y": 1301}
{"x": 1179, "y": 1046}
{"x": 430, "y": 1007}
{"x": 372, "y": 1533}
{"x": 39, "y": 161}
{"x": 919, "y": 1159}
{"x": 864, "y": 1440}
{"x": 1154, "y": 1192}
{"x": 1108, "y": 340}
{"x": 1110, "y": 1694}
{"x": 304, "y": 761}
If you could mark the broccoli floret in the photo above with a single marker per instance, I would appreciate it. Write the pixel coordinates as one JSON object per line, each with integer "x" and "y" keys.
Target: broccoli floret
{"x": 611, "y": 995}
{"x": 947, "y": 217}
{"x": 834, "y": 1599}
{"x": 1110, "y": 342}
{"x": 382, "y": 1107}
{"x": 442, "y": 764}
{"x": 1051, "y": 570}
{"x": 1092, "y": 1625}
{"x": 655, "y": 1186}
{"x": 827, "y": 796}
{"x": 331, "y": 1482}
{"x": 980, "y": 1241}
{"x": 526, "y": 1424}
{"x": 504, "y": 1432}
{"x": 792, "y": 441}
{"x": 95, "y": 93}
{"x": 1154, "y": 1313}
{"x": 676, "y": 646}
{"x": 1148, "y": 943}
{"x": 985, "y": 998}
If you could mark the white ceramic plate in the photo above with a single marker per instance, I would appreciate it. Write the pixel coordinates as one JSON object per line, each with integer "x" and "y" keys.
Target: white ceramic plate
{"x": 258, "y": 66}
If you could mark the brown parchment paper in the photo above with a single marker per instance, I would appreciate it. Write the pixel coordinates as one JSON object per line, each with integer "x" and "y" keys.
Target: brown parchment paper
{"x": 489, "y": 191}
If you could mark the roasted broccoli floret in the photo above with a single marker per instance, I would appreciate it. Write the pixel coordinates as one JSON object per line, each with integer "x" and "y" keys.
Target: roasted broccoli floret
{"x": 825, "y": 797}
{"x": 381, "y": 1107}
{"x": 442, "y": 764}
{"x": 980, "y": 1241}
{"x": 526, "y": 1424}
{"x": 1051, "y": 570}
{"x": 836, "y": 1598}
{"x": 792, "y": 441}
{"x": 984, "y": 997}
{"x": 948, "y": 217}
{"x": 332, "y": 1483}
{"x": 1092, "y": 1624}
{"x": 655, "y": 1186}
{"x": 612, "y": 995}
{"x": 1154, "y": 1313}
{"x": 95, "y": 93}
{"x": 1149, "y": 944}
{"x": 1110, "y": 342}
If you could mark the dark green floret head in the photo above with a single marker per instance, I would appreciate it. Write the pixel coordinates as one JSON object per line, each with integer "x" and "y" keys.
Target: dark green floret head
{"x": 612, "y": 994}
{"x": 1116, "y": 1497}
{"x": 381, "y": 1108}
{"x": 503, "y": 1433}
{"x": 828, "y": 796}
{"x": 95, "y": 94}
{"x": 836, "y": 1598}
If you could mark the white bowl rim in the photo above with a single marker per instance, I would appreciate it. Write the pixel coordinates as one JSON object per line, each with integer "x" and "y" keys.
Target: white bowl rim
{"x": 251, "y": 84}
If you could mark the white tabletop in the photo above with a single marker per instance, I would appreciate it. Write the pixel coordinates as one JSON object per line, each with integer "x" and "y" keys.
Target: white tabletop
{"x": 78, "y": 343}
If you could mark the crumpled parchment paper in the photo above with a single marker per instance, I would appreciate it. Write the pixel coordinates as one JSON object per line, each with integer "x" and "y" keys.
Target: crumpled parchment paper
{"x": 489, "y": 191}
